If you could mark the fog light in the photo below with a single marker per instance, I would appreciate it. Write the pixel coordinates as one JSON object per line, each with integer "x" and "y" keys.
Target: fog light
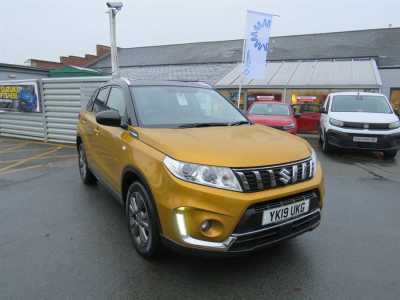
{"x": 206, "y": 225}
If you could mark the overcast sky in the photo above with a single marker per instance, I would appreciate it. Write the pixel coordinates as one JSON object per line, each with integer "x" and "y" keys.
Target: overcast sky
{"x": 47, "y": 29}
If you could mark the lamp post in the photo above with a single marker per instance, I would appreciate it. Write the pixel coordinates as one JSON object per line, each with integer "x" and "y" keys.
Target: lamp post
{"x": 114, "y": 8}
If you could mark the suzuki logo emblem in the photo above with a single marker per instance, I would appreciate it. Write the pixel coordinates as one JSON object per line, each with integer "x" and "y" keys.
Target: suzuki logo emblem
{"x": 284, "y": 176}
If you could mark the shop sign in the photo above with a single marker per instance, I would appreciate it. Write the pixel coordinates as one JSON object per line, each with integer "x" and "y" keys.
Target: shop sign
{"x": 266, "y": 98}
{"x": 19, "y": 97}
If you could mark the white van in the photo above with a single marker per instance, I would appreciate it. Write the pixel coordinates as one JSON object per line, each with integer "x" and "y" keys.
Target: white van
{"x": 359, "y": 121}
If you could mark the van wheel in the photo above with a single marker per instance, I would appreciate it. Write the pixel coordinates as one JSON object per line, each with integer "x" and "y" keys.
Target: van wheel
{"x": 86, "y": 175}
{"x": 326, "y": 147}
{"x": 142, "y": 221}
{"x": 390, "y": 154}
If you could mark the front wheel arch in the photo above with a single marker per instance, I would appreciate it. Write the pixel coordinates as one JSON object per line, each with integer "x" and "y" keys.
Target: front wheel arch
{"x": 129, "y": 175}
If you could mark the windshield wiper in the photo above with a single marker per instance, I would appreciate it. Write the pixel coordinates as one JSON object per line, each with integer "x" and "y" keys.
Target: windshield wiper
{"x": 239, "y": 123}
{"x": 196, "y": 125}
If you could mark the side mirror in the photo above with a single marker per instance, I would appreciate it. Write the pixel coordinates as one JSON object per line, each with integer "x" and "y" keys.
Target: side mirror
{"x": 323, "y": 110}
{"x": 297, "y": 114}
{"x": 109, "y": 118}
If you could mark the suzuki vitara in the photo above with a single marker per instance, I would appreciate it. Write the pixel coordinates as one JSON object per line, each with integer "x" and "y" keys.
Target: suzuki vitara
{"x": 192, "y": 172}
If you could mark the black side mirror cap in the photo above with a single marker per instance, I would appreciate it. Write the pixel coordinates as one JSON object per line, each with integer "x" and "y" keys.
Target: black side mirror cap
{"x": 323, "y": 110}
{"x": 109, "y": 118}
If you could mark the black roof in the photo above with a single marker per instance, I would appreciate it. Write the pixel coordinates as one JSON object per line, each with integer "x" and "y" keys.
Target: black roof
{"x": 382, "y": 44}
{"x": 131, "y": 82}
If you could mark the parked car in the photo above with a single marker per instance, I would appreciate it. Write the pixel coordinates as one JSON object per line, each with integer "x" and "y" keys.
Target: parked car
{"x": 192, "y": 172}
{"x": 308, "y": 116}
{"x": 359, "y": 121}
{"x": 273, "y": 114}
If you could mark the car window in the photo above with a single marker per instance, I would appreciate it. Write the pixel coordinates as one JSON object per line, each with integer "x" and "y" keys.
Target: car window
{"x": 116, "y": 101}
{"x": 173, "y": 106}
{"x": 296, "y": 108}
{"x": 311, "y": 108}
{"x": 270, "y": 109}
{"x": 89, "y": 106}
{"x": 360, "y": 103}
{"x": 100, "y": 101}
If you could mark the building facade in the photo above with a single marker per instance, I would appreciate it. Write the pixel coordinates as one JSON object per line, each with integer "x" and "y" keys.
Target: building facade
{"x": 71, "y": 60}
{"x": 18, "y": 72}
{"x": 364, "y": 60}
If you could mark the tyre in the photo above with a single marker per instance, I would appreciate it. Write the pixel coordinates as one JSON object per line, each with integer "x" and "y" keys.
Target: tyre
{"x": 86, "y": 175}
{"x": 142, "y": 221}
{"x": 325, "y": 146}
{"x": 390, "y": 154}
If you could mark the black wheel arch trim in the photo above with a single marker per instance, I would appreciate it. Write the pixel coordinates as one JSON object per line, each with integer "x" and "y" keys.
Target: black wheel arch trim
{"x": 142, "y": 180}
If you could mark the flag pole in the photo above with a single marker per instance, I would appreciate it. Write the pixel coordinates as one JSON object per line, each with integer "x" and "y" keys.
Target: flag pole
{"x": 241, "y": 71}
{"x": 242, "y": 66}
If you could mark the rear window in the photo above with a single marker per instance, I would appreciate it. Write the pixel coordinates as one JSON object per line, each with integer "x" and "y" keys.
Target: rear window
{"x": 360, "y": 103}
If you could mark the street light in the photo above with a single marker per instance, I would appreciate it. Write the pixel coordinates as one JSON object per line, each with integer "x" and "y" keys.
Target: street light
{"x": 114, "y": 8}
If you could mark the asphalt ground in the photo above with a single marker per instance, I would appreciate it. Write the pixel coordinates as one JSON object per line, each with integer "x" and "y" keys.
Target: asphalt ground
{"x": 62, "y": 240}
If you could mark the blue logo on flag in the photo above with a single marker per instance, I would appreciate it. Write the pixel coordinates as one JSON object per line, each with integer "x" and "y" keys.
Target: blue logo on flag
{"x": 260, "y": 27}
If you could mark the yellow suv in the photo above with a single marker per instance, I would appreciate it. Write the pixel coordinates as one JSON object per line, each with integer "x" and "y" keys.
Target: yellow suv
{"x": 192, "y": 172}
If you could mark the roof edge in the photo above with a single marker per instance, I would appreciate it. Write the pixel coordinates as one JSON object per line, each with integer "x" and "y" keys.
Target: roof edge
{"x": 22, "y": 67}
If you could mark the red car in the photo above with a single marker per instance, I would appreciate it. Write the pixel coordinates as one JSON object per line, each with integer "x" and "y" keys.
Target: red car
{"x": 273, "y": 114}
{"x": 309, "y": 115}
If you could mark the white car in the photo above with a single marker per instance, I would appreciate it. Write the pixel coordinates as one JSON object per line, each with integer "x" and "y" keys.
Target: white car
{"x": 359, "y": 121}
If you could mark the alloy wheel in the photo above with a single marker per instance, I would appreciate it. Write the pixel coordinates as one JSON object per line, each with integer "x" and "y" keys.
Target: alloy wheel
{"x": 82, "y": 162}
{"x": 139, "y": 223}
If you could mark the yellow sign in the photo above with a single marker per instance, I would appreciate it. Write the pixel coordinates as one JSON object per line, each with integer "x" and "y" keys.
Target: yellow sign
{"x": 9, "y": 92}
{"x": 19, "y": 96}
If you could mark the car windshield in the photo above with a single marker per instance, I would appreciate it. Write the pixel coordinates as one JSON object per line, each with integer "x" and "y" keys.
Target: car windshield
{"x": 270, "y": 109}
{"x": 176, "y": 106}
{"x": 360, "y": 103}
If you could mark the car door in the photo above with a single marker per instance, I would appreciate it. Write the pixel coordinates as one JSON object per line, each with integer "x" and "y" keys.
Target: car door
{"x": 310, "y": 117}
{"x": 91, "y": 128}
{"x": 115, "y": 140}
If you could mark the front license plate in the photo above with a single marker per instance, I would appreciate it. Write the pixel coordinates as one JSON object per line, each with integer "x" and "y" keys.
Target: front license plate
{"x": 365, "y": 139}
{"x": 283, "y": 213}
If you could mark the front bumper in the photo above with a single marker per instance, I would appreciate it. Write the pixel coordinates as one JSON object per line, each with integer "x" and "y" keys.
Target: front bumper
{"x": 234, "y": 214}
{"x": 345, "y": 140}
{"x": 289, "y": 130}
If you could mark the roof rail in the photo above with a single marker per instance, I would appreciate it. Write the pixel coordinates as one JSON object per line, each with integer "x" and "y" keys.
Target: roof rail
{"x": 191, "y": 81}
{"x": 127, "y": 81}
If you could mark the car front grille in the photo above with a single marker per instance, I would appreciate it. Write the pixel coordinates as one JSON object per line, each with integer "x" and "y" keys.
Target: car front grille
{"x": 263, "y": 178}
{"x": 375, "y": 126}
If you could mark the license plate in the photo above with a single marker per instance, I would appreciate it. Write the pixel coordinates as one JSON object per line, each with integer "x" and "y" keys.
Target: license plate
{"x": 283, "y": 213}
{"x": 365, "y": 139}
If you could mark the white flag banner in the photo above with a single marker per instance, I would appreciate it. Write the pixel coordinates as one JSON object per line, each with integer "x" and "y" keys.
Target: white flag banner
{"x": 258, "y": 28}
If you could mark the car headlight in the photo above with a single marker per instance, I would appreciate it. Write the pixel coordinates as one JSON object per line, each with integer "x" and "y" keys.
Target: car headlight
{"x": 217, "y": 177}
{"x": 314, "y": 161}
{"x": 335, "y": 122}
{"x": 290, "y": 126}
{"x": 394, "y": 125}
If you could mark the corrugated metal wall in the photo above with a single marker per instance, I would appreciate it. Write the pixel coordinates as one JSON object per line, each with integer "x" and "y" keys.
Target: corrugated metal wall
{"x": 22, "y": 125}
{"x": 62, "y": 99}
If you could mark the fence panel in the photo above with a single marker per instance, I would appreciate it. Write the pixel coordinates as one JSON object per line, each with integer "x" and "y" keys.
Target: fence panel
{"x": 22, "y": 125}
{"x": 63, "y": 99}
